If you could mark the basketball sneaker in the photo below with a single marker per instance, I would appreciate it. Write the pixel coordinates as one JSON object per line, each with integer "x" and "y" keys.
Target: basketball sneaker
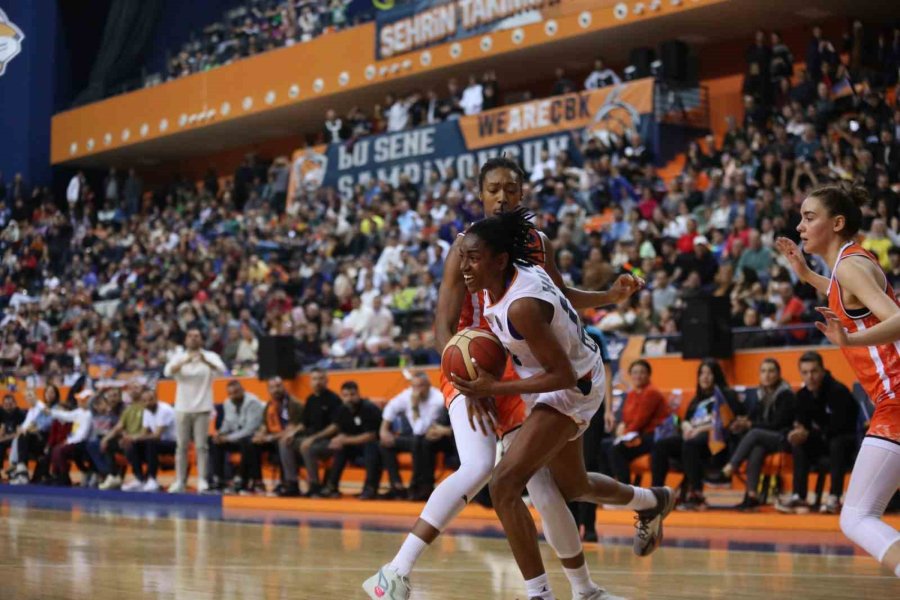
{"x": 831, "y": 506}
{"x": 649, "y": 522}
{"x": 387, "y": 584}
{"x": 598, "y": 594}
{"x": 794, "y": 506}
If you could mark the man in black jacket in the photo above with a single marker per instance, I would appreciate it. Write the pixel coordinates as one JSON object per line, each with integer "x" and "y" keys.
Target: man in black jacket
{"x": 827, "y": 424}
{"x": 318, "y": 426}
{"x": 352, "y": 435}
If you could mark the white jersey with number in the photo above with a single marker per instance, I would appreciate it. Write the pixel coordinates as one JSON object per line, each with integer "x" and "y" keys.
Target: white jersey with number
{"x": 533, "y": 282}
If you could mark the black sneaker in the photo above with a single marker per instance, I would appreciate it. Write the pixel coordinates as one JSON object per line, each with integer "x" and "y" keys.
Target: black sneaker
{"x": 749, "y": 504}
{"x": 368, "y": 494}
{"x": 288, "y": 490}
{"x": 649, "y": 522}
{"x": 325, "y": 492}
{"x": 590, "y": 536}
{"x": 393, "y": 494}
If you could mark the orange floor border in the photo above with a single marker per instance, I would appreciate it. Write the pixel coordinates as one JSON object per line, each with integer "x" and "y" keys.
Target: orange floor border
{"x": 712, "y": 519}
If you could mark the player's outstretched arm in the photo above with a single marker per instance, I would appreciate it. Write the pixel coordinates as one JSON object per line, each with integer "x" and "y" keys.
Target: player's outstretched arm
{"x": 862, "y": 278}
{"x": 623, "y": 287}
{"x": 450, "y": 298}
{"x": 791, "y": 251}
{"x": 885, "y": 332}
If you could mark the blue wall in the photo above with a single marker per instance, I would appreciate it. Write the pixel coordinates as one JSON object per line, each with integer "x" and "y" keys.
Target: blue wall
{"x": 27, "y": 92}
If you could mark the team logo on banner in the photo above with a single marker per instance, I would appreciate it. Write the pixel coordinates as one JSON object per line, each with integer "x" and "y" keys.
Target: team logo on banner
{"x": 10, "y": 41}
{"x": 615, "y": 115}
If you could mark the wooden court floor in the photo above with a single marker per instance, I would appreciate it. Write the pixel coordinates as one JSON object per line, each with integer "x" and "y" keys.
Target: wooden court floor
{"x": 146, "y": 554}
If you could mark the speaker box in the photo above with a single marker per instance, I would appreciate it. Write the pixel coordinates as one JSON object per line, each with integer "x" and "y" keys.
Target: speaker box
{"x": 705, "y": 328}
{"x": 674, "y": 56}
{"x": 641, "y": 58}
{"x": 277, "y": 356}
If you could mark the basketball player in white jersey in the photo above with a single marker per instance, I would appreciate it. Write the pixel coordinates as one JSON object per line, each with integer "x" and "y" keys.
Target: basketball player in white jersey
{"x": 561, "y": 380}
{"x": 500, "y": 187}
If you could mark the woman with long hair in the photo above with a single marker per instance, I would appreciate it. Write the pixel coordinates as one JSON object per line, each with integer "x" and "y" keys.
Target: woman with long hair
{"x": 703, "y": 433}
{"x": 859, "y": 299}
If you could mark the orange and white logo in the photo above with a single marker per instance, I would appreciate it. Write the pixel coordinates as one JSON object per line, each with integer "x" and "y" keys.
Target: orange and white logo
{"x": 11, "y": 38}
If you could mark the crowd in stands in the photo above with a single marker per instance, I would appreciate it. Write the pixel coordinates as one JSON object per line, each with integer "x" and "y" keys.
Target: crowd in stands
{"x": 105, "y": 432}
{"x": 256, "y": 27}
{"x": 112, "y": 278}
{"x": 719, "y": 434}
{"x": 110, "y": 282}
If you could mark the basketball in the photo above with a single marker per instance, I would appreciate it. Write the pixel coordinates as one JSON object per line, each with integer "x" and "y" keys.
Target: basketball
{"x": 480, "y": 344}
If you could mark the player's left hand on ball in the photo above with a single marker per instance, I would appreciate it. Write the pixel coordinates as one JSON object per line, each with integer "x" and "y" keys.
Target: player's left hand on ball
{"x": 480, "y": 387}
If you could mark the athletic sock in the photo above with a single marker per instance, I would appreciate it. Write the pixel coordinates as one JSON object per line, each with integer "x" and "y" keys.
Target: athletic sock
{"x": 580, "y": 580}
{"x": 539, "y": 587}
{"x": 409, "y": 553}
{"x": 642, "y": 500}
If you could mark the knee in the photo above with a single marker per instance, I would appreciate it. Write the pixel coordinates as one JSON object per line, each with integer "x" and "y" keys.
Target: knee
{"x": 478, "y": 470}
{"x": 851, "y": 518}
{"x": 507, "y": 485}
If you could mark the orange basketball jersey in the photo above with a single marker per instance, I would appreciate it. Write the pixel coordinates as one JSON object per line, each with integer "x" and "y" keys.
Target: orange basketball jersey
{"x": 510, "y": 409}
{"x": 877, "y": 367}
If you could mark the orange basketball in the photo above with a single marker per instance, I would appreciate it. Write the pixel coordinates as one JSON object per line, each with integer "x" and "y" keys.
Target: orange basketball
{"x": 480, "y": 344}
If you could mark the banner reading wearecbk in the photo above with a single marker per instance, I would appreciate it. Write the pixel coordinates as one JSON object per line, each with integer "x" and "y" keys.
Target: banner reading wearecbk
{"x": 520, "y": 131}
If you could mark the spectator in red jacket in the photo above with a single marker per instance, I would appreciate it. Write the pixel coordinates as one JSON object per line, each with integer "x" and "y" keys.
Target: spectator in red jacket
{"x": 643, "y": 409}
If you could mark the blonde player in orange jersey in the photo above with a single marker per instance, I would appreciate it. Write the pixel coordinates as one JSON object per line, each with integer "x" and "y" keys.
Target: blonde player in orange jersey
{"x": 859, "y": 299}
{"x": 500, "y": 186}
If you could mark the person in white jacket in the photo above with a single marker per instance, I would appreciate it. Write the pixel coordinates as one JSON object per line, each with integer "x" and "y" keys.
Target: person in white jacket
{"x": 61, "y": 454}
{"x": 193, "y": 370}
{"x": 31, "y": 436}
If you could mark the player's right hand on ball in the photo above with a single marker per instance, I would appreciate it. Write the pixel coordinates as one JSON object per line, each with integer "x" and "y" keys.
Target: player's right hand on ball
{"x": 482, "y": 411}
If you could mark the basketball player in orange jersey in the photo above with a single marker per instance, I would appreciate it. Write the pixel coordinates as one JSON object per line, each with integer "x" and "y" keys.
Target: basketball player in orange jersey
{"x": 859, "y": 299}
{"x": 561, "y": 381}
{"x": 500, "y": 187}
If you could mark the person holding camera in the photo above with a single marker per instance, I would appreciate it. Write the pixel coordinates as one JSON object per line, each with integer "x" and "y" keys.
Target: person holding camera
{"x": 193, "y": 370}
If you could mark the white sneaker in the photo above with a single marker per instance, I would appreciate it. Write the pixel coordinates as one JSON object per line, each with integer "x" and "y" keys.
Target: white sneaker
{"x": 134, "y": 485}
{"x": 598, "y": 594}
{"x": 19, "y": 479}
{"x": 176, "y": 488}
{"x": 151, "y": 485}
{"x": 831, "y": 506}
{"x": 202, "y": 486}
{"x": 111, "y": 482}
{"x": 387, "y": 584}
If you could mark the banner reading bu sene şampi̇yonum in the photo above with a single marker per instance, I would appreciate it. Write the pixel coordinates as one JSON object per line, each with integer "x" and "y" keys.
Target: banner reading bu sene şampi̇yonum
{"x": 521, "y": 131}
{"x": 414, "y": 24}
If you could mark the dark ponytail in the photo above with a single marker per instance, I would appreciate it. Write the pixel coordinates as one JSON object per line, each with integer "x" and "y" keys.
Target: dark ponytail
{"x": 846, "y": 200}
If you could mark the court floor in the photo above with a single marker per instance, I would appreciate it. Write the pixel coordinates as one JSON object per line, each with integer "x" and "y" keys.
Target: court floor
{"x": 57, "y": 549}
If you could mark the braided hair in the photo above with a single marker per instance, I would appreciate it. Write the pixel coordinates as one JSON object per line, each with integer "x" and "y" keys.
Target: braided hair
{"x": 510, "y": 232}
